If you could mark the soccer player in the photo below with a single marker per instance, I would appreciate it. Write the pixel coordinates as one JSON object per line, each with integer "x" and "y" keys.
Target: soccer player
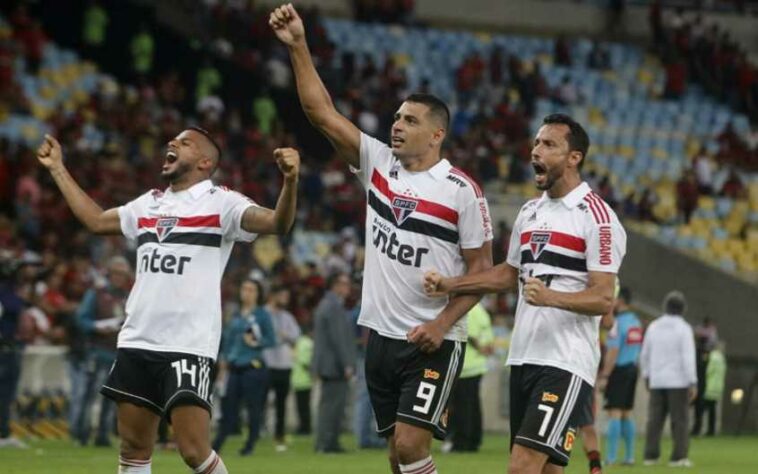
{"x": 170, "y": 338}
{"x": 618, "y": 377}
{"x": 422, "y": 213}
{"x": 565, "y": 251}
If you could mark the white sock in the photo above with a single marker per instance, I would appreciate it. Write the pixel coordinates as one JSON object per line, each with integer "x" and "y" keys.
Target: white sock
{"x": 133, "y": 466}
{"x": 425, "y": 466}
{"x": 212, "y": 465}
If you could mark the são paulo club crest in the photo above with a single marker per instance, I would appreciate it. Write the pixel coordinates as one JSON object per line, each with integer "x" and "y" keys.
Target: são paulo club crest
{"x": 403, "y": 207}
{"x": 537, "y": 243}
{"x": 164, "y": 225}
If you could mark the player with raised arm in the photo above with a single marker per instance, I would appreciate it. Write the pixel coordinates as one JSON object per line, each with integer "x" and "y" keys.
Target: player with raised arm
{"x": 169, "y": 342}
{"x": 565, "y": 251}
{"x": 422, "y": 213}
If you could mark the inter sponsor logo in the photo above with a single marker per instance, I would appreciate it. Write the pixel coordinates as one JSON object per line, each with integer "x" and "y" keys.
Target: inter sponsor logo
{"x": 550, "y": 397}
{"x": 605, "y": 245}
{"x": 155, "y": 262}
{"x": 431, "y": 374}
{"x": 402, "y": 208}
{"x": 537, "y": 243}
{"x": 387, "y": 243}
{"x": 164, "y": 225}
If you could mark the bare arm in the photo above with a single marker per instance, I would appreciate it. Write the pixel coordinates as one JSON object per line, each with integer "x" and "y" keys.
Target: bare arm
{"x": 260, "y": 220}
{"x": 495, "y": 279}
{"x": 84, "y": 208}
{"x": 315, "y": 99}
{"x": 429, "y": 336}
{"x": 596, "y": 299}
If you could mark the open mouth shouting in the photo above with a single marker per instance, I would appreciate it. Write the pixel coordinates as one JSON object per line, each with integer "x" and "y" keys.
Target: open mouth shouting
{"x": 171, "y": 158}
{"x": 540, "y": 173}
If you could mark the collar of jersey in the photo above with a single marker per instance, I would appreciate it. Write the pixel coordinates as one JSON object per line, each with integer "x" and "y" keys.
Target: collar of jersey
{"x": 196, "y": 190}
{"x": 571, "y": 199}
{"x": 438, "y": 171}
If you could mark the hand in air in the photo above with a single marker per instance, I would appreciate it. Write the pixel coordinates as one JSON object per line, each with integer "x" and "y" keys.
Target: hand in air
{"x": 287, "y": 25}
{"x": 288, "y": 160}
{"x": 49, "y": 152}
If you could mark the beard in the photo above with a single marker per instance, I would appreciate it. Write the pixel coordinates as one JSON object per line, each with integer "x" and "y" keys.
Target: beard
{"x": 180, "y": 170}
{"x": 551, "y": 176}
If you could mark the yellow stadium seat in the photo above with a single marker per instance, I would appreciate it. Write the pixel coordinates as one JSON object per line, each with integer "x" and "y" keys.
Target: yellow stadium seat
{"x": 706, "y": 203}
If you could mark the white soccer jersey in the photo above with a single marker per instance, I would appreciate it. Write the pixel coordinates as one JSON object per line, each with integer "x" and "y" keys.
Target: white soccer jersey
{"x": 560, "y": 241}
{"x": 184, "y": 240}
{"x": 415, "y": 222}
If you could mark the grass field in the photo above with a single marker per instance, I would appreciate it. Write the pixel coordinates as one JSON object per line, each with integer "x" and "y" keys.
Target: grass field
{"x": 710, "y": 456}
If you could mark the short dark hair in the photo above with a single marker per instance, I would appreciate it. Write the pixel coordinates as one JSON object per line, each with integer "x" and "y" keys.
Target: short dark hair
{"x": 437, "y": 107}
{"x": 207, "y": 135}
{"x": 332, "y": 279}
{"x": 625, "y": 294}
{"x": 261, "y": 293}
{"x": 675, "y": 303}
{"x": 577, "y": 137}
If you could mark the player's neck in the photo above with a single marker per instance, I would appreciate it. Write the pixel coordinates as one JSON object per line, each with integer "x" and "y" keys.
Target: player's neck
{"x": 247, "y": 309}
{"x": 184, "y": 183}
{"x": 418, "y": 163}
{"x": 563, "y": 186}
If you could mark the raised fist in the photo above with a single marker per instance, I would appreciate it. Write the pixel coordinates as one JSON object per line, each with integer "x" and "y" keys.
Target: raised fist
{"x": 287, "y": 25}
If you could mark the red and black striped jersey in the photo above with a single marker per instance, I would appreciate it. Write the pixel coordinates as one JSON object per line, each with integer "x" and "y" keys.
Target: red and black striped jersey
{"x": 183, "y": 242}
{"x": 560, "y": 241}
{"x": 415, "y": 222}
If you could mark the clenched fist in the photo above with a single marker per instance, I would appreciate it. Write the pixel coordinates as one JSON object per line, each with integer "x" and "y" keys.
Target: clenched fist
{"x": 434, "y": 284}
{"x": 49, "y": 153}
{"x": 536, "y": 293}
{"x": 288, "y": 160}
{"x": 287, "y": 25}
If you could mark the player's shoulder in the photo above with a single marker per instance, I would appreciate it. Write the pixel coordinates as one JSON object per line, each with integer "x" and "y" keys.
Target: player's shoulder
{"x": 596, "y": 210}
{"x": 227, "y": 195}
{"x": 463, "y": 184}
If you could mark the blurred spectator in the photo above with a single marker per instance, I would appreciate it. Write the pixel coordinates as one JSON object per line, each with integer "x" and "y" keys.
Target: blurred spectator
{"x": 599, "y": 57}
{"x": 208, "y": 81}
{"x": 714, "y": 386}
{"x": 99, "y": 317}
{"x": 10, "y": 346}
{"x": 465, "y": 429}
{"x": 264, "y": 111}
{"x": 687, "y": 195}
{"x": 241, "y": 359}
{"x": 667, "y": 363}
{"x": 142, "y": 48}
{"x": 333, "y": 361}
{"x": 645, "y": 206}
{"x": 279, "y": 358}
{"x": 302, "y": 382}
{"x": 676, "y": 79}
{"x": 562, "y": 51}
{"x": 706, "y": 338}
{"x": 703, "y": 167}
{"x": 733, "y": 186}
{"x": 94, "y": 29}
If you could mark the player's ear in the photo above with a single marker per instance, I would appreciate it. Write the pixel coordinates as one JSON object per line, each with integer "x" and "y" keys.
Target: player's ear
{"x": 438, "y": 136}
{"x": 575, "y": 158}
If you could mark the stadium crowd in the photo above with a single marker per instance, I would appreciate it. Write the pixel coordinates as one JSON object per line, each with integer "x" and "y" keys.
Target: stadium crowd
{"x": 112, "y": 142}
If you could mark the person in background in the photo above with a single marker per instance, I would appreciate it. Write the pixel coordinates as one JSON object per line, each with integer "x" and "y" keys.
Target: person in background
{"x": 12, "y": 306}
{"x": 302, "y": 381}
{"x": 247, "y": 334}
{"x": 706, "y": 337}
{"x": 333, "y": 361}
{"x": 618, "y": 377}
{"x": 99, "y": 318}
{"x": 466, "y": 411}
{"x": 714, "y": 385}
{"x": 667, "y": 362}
{"x": 279, "y": 358}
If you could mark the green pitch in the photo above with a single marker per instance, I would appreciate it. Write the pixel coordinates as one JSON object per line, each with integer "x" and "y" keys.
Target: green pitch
{"x": 716, "y": 456}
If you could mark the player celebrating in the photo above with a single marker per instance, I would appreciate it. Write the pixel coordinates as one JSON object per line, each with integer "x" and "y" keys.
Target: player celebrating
{"x": 422, "y": 213}
{"x": 565, "y": 251}
{"x": 170, "y": 339}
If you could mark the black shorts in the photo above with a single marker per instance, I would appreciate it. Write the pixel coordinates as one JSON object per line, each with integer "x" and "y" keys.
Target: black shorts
{"x": 411, "y": 386}
{"x": 622, "y": 383}
{"x": 543, "y": 409}
{"x": 160, "y": 380}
